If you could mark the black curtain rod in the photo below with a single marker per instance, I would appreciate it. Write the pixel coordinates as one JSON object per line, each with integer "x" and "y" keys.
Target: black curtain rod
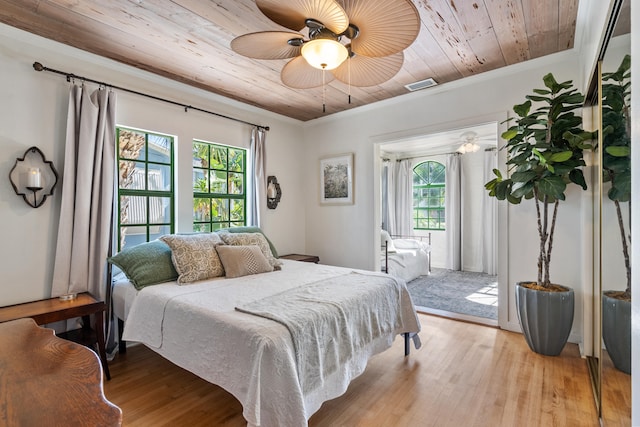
{"x": 39, "y": 67}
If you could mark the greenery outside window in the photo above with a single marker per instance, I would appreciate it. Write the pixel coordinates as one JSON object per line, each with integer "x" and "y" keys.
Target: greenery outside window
{"x": 145, "y": 186}
{"x": 219, "y": 183}
{"x": 428, "y": 196}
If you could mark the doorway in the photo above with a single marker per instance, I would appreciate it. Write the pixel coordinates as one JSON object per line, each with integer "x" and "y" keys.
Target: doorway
{"x": 470, "y": 289}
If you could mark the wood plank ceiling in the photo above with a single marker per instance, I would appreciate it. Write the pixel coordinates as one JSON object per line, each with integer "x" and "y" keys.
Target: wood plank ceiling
{"x": 188, "y": 40}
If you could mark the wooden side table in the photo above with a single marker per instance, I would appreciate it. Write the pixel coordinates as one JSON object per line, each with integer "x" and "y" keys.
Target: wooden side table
{"x": 47, "y": 380}
{"x": 54, "y": 310}
{"x": 303, "y": 258}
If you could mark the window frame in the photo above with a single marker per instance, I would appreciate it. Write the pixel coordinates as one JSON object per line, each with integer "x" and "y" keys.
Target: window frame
{"x": 146, "y": 193}
{"x": 211, "y": 224}
{"x": 428, "y": 209}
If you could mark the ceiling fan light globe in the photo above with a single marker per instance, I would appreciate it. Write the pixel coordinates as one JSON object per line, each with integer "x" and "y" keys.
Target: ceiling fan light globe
{"x": 324, "y": 54}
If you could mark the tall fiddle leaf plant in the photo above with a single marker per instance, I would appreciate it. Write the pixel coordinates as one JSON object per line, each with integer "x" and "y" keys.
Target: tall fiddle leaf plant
{"x": 545, "y": 146}
{"x": 616, "y": 154}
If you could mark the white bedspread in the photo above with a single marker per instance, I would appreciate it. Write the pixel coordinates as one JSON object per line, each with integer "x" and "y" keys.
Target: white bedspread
{"x": 196, "y": 327}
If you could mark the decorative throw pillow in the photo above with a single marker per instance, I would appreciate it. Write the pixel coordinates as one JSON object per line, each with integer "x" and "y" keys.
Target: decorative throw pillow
{"x": 194, "y": 256}
{"x": 255, "y": 239}
{"x": 241, "y": 261}
{"x": 146, "y": 264}
{"x": 251, "y": 229}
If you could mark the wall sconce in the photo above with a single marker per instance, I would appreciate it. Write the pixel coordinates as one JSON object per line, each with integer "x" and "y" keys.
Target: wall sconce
{"x": 273, "y": 192}
{"x": 33, "y": 177}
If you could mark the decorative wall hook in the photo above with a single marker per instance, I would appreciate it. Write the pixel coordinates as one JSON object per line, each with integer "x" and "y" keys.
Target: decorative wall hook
{"x": 273, "y": 192}
{"x": 33, "y": 177}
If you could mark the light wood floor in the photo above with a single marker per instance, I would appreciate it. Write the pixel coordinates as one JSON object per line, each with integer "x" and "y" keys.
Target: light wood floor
{"x": 464, "y": 375}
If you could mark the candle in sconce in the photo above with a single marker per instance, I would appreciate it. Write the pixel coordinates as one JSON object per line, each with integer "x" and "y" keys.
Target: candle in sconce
{"x": 34, "y": 178}
{"x": 271, "y": 191}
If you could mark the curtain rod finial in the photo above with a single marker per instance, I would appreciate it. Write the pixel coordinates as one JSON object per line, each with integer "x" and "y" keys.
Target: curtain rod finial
{"x": 38, "y": 66}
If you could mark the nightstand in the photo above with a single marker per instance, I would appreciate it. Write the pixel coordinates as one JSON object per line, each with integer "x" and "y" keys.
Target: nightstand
{"x": 303, "y": 258}
{"x": 54, "y": 310}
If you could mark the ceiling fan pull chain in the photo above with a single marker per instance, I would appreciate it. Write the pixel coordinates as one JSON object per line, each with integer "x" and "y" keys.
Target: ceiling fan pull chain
{"x": 349, "y": 70}
{"x": 324, "y": 92}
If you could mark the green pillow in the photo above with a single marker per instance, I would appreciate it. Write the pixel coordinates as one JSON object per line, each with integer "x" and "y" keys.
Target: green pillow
{"x": 252, "y": 229}
{"x": 146, "y": 264}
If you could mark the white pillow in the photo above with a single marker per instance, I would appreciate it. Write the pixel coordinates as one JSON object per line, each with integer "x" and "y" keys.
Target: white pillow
{"x": 385, "y": 237}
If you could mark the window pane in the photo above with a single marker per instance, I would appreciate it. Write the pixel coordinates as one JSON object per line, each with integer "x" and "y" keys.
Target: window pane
{"x": 159, "y": 177}
{"x": 218, "y": 158}
{"x": 200, "y": 155}
{"x": 236, "y": 160}
{"x": 220, "y": 209}
{"x": 201, "y": 210}
{"x": 131, "y": 175}
{"x": 202, "y": 228}
{"x": 237, "y": 210}
{"x": 235, "y": 183}
{"x": 219, "y": 225}
{"x": 133, "y": 210}
{"x": 218, "y": 182}
{"x": 159, "y": 210}
{"x": 200, "y": 181}
{"x": 131, "y": 236}
{"x": 159, "y": 147}
{"x": 131, "y": 144}
{"x": 158, "y": 230}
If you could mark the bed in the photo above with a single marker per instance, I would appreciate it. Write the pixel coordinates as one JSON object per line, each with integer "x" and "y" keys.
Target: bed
{"x": 405, "y": 257}
{"x": 234, "y": 332}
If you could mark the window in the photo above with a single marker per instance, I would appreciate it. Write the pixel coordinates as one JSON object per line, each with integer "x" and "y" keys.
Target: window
{"x": 145, "y": 186}
{"x": 219, "y": 180}
{"x": 428, "y": 196}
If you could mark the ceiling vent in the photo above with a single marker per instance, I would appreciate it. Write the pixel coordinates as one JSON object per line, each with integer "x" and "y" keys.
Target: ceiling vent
{"x": 422, "y": 84}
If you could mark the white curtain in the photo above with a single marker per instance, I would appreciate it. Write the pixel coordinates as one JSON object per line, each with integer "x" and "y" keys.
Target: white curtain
{"x": 404, "y": 198}
{"x": 388, "y": 196}
{"x": 258, "y": 185}
{"x": 453, "y": 211}
{"x": 87, "y": 194}
{"x": 489, "y": 206}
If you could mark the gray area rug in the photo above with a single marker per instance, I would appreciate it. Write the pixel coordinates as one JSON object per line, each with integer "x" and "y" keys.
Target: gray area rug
{"x": 474, "y": 294}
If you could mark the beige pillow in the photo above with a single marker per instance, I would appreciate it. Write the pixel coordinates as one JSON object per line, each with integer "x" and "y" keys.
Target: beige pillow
{"x": 252, "y": 239}
{"x": 241, "y": 261}
{"x": 194, "y": 256}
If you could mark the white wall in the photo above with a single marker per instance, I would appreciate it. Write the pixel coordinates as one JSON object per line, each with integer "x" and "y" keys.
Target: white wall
{"x": 33, "y": 110}
{"x": 345, "y": 235}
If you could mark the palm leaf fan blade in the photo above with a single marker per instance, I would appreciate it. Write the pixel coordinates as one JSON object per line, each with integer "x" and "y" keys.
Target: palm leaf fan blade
{"x": 298, "y": 74}
{"x": 293, "y": 14}
{"x": 386, "y": 26}
{"x": 266, "y": 45}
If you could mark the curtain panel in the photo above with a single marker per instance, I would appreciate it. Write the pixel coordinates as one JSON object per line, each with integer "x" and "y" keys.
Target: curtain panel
{"x": 453, "y": 210}
{"x": 86, "y": 211}
{"x": 258, "y": 184}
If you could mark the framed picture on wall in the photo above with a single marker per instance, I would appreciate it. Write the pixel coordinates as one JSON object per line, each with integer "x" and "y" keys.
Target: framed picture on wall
{"x": 336, "y": 180}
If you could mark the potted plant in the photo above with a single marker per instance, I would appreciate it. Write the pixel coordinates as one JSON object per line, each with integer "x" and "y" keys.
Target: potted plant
{"x": 545, "y": 153}
{"x": 616, "y": 167}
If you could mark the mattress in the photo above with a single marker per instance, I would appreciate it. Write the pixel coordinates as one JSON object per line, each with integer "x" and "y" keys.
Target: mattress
{"x": 197, "y": 327}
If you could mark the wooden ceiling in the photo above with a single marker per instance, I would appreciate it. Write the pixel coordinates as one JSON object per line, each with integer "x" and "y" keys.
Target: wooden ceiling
{"x": 188, "y": 40}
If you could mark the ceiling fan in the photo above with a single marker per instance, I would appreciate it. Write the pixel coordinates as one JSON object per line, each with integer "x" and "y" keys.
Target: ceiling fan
{"x": 471, "y": 142}
{"x": 377, "y": 32}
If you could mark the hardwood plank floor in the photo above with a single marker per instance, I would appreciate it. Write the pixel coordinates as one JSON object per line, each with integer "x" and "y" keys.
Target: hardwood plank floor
{"x": 464, "y": 375}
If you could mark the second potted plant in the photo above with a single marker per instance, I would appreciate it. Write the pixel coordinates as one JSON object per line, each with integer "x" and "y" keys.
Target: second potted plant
{"x": 545, "y": 153}
{"x": 616, "y": 167}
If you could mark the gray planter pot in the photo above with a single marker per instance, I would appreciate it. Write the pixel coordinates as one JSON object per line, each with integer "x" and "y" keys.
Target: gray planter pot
{"x": 616, "y": 331}
{"x": 546, "y": 318}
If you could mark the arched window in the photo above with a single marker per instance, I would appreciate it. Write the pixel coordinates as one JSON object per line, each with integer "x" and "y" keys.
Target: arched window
{"x": 428, "y": 196}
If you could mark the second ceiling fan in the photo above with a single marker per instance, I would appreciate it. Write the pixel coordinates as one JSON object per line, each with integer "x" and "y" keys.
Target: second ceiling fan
{"x": 377, "y": 31}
